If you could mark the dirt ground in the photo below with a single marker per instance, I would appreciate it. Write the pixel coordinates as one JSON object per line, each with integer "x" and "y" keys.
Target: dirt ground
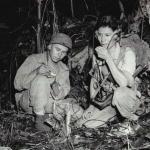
{"x": 17, "y": 130}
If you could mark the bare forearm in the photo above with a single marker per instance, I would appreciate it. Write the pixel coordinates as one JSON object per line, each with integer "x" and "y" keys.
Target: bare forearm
{"x": 116, "y": 73}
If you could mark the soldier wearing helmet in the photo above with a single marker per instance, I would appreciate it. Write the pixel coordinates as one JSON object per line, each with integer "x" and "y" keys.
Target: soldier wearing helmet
{"x": 42, "y": 79}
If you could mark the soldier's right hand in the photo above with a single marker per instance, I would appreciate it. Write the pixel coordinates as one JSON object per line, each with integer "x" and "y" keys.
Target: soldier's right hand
{"x": 45, "y": 70}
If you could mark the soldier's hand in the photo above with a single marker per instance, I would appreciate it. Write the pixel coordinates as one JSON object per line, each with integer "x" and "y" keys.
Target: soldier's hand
{"x": 102, "y": 52}
{"x": 43, "y": 69}
{"x": 46, "y": 71}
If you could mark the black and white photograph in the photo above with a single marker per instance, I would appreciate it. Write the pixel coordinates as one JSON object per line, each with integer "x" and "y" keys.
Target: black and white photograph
{"x": 75, "y": 75}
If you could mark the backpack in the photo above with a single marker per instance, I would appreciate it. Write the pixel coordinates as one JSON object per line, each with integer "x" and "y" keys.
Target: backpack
{"x": 140, "y": 47}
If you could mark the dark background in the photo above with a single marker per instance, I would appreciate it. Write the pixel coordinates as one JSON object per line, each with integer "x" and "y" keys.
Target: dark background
{"x": 14, "y": 12}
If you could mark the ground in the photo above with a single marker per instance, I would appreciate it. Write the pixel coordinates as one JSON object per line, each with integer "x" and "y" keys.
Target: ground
{"x": 17, "y": 130}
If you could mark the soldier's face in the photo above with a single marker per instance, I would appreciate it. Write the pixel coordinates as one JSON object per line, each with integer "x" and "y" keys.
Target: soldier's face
{"x": 57, "y": 52}
{"x": 104, "y": 35}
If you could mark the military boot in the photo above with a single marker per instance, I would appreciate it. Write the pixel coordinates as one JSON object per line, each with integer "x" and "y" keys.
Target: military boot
{"x": 40, "y": 123}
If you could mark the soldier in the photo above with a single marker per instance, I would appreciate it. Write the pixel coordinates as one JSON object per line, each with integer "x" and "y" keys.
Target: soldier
{"x": 43, "y": 79}
{"x": 113, "y": 68}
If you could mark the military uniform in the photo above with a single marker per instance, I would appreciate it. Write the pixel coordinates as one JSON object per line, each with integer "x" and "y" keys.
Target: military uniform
{"x": 124, "y": 98}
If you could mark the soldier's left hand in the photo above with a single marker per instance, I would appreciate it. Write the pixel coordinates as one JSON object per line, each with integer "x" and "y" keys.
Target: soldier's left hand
{"x": 102, "y": 52}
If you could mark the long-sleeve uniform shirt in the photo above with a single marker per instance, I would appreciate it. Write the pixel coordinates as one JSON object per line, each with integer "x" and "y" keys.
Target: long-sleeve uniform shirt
{"x": 28, "y": 71}
{"x": 41, "y": 98}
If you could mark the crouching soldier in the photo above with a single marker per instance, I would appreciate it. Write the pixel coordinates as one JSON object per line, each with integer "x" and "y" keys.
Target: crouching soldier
{"x": 113, "y": 68}
{"x": 43, "y": 79}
